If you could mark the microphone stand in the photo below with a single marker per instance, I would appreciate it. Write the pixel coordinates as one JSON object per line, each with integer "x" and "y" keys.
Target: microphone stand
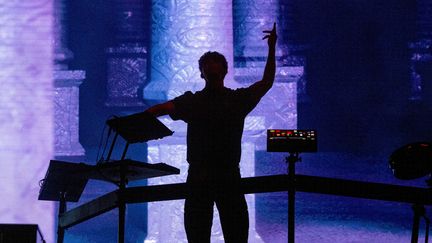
{"x": 291, "y": 160}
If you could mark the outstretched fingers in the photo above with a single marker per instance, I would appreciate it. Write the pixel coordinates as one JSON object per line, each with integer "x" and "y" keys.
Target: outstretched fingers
{"x": 270, "y": 32}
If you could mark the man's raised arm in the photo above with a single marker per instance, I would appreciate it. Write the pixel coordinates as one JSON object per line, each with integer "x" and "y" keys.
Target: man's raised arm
{"x": 261, "y": 87}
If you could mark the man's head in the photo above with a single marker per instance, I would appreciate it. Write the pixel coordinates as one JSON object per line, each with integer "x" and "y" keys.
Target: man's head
{"x": 213, "y": 67}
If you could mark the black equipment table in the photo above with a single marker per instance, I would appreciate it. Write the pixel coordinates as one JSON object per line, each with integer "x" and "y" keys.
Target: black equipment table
{"x": 134, "y": 170}
{"x": 65, "y": 181}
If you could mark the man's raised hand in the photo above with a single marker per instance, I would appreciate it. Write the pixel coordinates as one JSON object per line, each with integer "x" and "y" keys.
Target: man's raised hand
{"x": 271, "y": 36}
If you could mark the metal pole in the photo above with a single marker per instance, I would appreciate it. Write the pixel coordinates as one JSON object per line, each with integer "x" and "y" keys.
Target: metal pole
{"x": 121, "y": 223}
{"x": 121, "y": 204}
{"x": 419, "y": 211}
{"x": 62, "y": 209}
{"x": 291, "y": 160}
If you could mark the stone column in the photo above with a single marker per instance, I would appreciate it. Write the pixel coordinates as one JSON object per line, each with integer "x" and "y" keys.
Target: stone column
{"x": 165, "y": 218}
{"x": 66, "y": 96}
{"x": 127, "y": 58}
{"x": 181, "y": 32}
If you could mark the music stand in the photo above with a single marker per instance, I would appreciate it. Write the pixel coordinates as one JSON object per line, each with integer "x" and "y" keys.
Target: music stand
{"x": 135, "y": 128}
{"x": 63, "y": 182}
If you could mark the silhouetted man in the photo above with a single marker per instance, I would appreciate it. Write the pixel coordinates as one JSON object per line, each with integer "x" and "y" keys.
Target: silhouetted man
{"x": 215, "y": 118}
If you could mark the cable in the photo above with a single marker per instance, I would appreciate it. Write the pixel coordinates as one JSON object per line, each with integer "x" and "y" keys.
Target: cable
{"x": 41, "y": 182}
{"x": 100, "y": 143}
{"x": 99, "y": 160}
{"x": 41, "y": 235}
{"x": 106, "y": 144}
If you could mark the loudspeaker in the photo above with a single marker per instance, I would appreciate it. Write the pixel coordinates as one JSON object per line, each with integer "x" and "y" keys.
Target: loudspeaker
{"x": 20, "y": 233}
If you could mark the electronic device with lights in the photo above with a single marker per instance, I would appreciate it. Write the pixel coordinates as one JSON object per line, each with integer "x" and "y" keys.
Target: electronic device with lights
{"x": 282, "y": 140}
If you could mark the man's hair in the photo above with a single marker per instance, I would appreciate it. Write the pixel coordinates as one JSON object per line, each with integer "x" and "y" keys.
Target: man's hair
{"x": 215, "y": 56}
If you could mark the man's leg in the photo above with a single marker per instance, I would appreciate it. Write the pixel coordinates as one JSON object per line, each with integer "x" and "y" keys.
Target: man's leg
{"x": 198, "y": 213}
{"x": 234, "y": 217}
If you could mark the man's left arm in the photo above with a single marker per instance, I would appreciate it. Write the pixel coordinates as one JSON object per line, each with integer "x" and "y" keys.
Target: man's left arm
{"x": 260, "y": 88}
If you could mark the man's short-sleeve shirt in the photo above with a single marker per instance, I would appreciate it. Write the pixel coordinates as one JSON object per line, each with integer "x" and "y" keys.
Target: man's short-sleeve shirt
{"x": 215, "y": 122}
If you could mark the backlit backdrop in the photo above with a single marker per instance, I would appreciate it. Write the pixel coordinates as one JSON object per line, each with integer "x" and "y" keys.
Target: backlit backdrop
{"x": 26, "y": 111}
{"x": 356, "y": 71}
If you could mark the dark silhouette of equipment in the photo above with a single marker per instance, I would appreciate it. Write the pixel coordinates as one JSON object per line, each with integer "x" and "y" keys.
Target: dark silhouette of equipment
{"x": 20, "y": 233}
{"x": 417, "y": 196}
{"x": 413, "y": 161}
{"x": 65, "y": 181}
{"x": 139, "y": 127}
{"x": 260, "y": 184}
{"x": 294, "y": 142}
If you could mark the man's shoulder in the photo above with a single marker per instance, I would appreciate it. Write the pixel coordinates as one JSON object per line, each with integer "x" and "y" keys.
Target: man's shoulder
{"x": 243, "y": 91}
{"x": 226, "y": 91}
{"x": 235, "y": 91}
{"x": 186, "y": 94}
